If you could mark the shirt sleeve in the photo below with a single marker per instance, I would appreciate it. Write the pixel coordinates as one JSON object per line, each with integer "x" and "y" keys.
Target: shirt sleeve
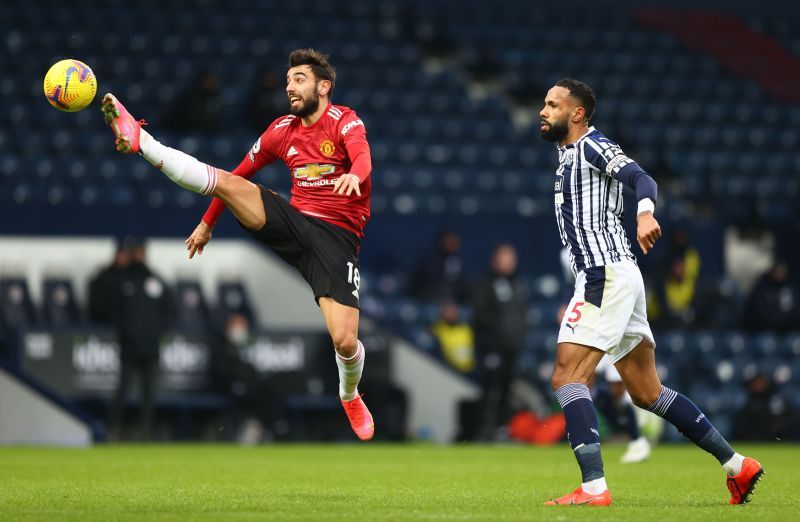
{"x": 607, "y": 157}
{"x": 354, "y": 136}
{"x": 262, "y": 153}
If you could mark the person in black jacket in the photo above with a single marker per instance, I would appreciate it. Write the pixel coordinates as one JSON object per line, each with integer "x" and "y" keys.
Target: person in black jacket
{"x": 768, "y": 415}
{"x": 104, "y": 287}
{"x": 774, "y": 302}
{"x": 499, "y": 304}
{"x": 439, "y": 275}
{"x": 142, "y": 316}
{"x": 254, "y": 398}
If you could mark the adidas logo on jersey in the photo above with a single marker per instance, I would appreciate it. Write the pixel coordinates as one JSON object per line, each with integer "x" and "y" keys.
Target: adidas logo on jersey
{"x": 292, "y": 152}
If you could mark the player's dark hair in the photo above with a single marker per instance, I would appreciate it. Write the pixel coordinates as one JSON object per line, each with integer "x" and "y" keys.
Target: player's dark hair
{"x": 581, "y": 92}
{"x": 318, "y": 61}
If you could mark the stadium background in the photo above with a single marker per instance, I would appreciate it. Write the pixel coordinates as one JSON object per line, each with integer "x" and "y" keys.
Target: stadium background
{"x": 706, "y": 100}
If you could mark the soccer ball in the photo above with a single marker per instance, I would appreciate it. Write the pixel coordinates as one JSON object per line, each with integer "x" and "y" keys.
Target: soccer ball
{"x": 70, "y": 85}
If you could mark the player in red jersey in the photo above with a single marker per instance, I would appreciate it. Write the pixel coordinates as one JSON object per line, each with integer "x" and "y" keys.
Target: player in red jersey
{"x": 319, "y": 230}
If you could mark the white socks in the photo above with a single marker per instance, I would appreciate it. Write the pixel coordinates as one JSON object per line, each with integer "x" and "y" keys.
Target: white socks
{"x": 595, "y": 487}
{"x": 350, "y": 373}
{"x": 181, "y": 168}
{"x": 734, "y": 465}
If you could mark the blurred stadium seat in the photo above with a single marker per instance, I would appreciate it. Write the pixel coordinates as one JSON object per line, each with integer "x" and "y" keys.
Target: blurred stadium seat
{"x": 59, "y": 306}
{"x": 191, "y": 310}
{"x": 16, "y": 306}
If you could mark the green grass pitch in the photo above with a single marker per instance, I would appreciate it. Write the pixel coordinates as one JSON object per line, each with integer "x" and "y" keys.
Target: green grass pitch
{"x": 375, "y": 482}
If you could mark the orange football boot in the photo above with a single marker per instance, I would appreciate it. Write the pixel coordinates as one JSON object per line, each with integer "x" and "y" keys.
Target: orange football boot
{"x": 742, "y": 485}
{"x": 580, "y": 498}
{"x": 360, "y": 418}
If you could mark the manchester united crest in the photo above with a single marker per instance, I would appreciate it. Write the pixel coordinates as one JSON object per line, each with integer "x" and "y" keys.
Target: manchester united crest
{"x": 327, "y": 148}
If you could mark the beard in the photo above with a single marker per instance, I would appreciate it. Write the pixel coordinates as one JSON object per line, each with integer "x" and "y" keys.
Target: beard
{"x": 557, "y": 131}
{"x": 308, "y": 107}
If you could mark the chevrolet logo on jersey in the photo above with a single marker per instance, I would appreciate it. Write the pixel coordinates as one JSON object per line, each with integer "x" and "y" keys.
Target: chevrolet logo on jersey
{"x": 313, "y": 171}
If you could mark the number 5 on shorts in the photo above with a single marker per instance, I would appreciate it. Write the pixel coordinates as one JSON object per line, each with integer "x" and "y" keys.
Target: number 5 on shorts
{"x": 575, "y": 313}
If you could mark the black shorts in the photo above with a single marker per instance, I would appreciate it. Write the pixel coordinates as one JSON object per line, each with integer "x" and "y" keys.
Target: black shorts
{"x": 326, "y": 255}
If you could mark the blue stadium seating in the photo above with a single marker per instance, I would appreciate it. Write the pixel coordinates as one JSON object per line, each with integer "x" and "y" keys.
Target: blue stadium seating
{"x": 444, "y": 151}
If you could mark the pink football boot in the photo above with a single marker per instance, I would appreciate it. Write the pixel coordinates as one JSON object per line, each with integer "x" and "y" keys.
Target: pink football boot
{"x": 125, "y": 127}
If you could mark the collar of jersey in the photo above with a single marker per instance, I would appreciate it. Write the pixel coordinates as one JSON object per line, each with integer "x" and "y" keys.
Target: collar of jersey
{"x": 572, "y": 145}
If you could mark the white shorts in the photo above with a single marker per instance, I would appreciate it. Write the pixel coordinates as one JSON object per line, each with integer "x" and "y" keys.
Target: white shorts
{"x": 608, "y": 310}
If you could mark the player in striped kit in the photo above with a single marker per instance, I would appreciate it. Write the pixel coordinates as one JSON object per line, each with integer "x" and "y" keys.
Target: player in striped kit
{"x": 607, "y": 313}
{"x": 611, "y": 400}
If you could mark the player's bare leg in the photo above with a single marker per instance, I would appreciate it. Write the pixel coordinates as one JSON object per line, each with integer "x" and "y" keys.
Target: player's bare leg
{"x": 342, "y": 324}
{"x": 243, "y": 198}
{"x": 574, "y": 368}
{"x": 240, "y": 195}
{"x": 638, "y": 372}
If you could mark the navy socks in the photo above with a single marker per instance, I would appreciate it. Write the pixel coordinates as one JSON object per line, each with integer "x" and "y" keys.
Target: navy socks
{"x": 582, "y": 431}
{"x": 691, "y": 422}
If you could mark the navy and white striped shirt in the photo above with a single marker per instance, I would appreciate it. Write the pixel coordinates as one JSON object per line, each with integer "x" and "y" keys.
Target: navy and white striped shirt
{"x": 588, "y": 201}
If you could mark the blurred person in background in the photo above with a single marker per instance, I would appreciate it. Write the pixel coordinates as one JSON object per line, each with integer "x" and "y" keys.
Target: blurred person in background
{"x": 676, "y": 295}
{"x": 455, "y": 338}
{"x": 499, "y": 304}
{"x": 254, "y": 398}
{"x": 104, "y": 288}
{"x": 773, "y": 302}
{"x": 767, "y": 415}
{"x": 439, "y": 275}
{"x": 142, "y": 316}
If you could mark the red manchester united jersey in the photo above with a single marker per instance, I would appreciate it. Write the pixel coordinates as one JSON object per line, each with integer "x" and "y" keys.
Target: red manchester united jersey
{"x": 317, "y": 155}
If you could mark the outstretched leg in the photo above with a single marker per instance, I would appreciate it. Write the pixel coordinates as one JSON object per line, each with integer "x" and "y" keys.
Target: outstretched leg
{"x": 638, "y": 371}
{"x": 238, "y": 194}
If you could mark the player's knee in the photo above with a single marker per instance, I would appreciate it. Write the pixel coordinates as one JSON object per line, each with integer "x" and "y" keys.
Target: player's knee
{"x": 345, "y": 343}
{"x": 243, "y": 198}
{"x": 644, "y": 398}
{"x": 229, "y": 185}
